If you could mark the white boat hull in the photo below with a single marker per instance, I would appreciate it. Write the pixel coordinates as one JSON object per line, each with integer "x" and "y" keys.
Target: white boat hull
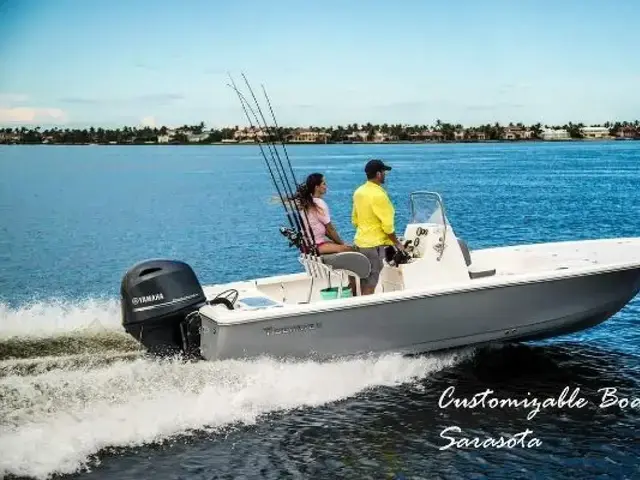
{"x": 429, "y": 322}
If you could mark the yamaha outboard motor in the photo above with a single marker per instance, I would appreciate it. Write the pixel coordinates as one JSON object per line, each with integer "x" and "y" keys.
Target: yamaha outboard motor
{"x": 160, "y": 300}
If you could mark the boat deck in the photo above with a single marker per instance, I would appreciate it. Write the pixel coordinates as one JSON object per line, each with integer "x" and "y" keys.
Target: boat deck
{"x": 546, "y": 257}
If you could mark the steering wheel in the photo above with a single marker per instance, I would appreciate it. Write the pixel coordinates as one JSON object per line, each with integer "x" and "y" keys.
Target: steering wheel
{"x": 226, "y": 298}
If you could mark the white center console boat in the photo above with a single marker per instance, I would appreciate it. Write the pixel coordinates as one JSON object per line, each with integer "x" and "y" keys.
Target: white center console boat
{"x": 440, "y": 295}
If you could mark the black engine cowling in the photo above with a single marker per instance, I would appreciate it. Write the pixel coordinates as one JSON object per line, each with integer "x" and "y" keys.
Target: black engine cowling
{"x": 159, "y": 301}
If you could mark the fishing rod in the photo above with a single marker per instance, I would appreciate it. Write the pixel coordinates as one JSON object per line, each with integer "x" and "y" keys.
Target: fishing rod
{"x": 306, "y": 224}
{"x": 275, "y": 122}
{"x": 294, "y": 234}
{"x": 279, "y": 132}
{"x": 299, "y": 233}
{"x": 243, "y": 101}
{"x": 274, "y": 153}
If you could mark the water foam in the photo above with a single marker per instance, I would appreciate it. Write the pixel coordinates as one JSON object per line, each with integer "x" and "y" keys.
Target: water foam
{"x": 60, "y": 317}
{"x": 55, "y": 422}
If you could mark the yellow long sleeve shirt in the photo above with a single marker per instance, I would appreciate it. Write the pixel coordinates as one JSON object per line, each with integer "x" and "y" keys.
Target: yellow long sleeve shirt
{"x": 372, "y": 215}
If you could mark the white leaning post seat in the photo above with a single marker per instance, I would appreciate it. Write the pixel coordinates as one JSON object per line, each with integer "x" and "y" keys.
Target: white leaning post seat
{"x": 473, "y": 272}
{"x": 354, "y": 264}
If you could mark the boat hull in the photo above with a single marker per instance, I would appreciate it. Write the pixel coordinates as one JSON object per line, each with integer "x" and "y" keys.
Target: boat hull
{"x": 518, "y": 311}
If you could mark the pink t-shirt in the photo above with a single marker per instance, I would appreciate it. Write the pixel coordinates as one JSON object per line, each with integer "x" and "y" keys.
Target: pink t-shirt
{"x": 318, "y": 217}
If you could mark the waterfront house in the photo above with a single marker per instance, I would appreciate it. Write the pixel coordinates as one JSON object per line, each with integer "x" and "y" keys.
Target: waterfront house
{"x": 358, "y": 136}
{"x": 381, "y": 137}
{"x": 10, "y": 137}
{"x": 308, "y": 136}
{"x": 554, "y": 134}
{"x": 197, "y": 137}
{"x": 477, "y": 135}
{"x": 249, "y": 134}
{"x": 595, "y": 132}
{"x": 517, "y": 133}
{"x": 427, "y": 136}
{"x": 628, "y": 132}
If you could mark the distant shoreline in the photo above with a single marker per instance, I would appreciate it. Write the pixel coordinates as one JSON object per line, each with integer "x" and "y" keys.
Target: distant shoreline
{"x": 441, "y": 132}
{"x": 288, "y": 144}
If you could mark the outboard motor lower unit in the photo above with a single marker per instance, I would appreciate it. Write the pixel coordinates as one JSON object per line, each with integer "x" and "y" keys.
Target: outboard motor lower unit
{"x": 157, "y": 299}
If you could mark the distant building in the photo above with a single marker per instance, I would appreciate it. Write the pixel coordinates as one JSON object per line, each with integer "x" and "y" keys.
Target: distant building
{"x": 517, "y": 133}
{"x": 555, "y": 134}
{"x": 511, "y": 133}
{"x": 10, "y": 137}
{"x": 197, "y": 137}
{"x": 595, "y": 132}
{"x": 381, "y": 137}
{"x": 309, "y": 136}
{"x": 427, "y": 136}
{"x": 628, "y": 132}
{"x": 472, "y": 134}
{"x": 358, "y": 136}
{"x": 249, "y": 134}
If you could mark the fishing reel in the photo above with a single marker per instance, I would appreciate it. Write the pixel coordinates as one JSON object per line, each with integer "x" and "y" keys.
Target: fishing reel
{"x": 294, "y": 237}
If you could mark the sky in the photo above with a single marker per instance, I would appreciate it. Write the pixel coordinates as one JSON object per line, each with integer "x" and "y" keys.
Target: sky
{"x": 120, "y": 62}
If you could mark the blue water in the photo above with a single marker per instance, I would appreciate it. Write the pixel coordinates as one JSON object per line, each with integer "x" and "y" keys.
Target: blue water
{"x": 74, "y": 219}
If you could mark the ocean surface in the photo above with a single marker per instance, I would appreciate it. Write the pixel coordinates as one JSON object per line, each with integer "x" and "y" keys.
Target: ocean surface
{"x": 79, "y": 400}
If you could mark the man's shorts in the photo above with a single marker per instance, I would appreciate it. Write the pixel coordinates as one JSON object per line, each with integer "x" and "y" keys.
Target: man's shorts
{"x": 376, "y": 256}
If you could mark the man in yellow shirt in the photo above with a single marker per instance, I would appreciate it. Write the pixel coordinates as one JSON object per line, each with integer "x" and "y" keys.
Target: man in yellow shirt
{"x": 373, "y": 216}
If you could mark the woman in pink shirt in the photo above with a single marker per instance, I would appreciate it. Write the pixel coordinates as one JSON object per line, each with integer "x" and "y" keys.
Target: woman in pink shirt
{"x": 316, "y": 211}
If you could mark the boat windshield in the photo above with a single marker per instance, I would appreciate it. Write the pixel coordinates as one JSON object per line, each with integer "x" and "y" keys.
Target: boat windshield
{"x": 426, "y": 207}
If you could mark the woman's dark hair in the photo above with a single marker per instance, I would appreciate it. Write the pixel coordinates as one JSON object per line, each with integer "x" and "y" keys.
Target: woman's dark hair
{"x": 304, "y": 195}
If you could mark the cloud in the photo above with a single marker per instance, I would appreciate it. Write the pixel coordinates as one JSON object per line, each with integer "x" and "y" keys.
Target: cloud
{"x": 31, "y": 115}
{"x": 215, "y": 71}
{"x": 13, "y": 110}
{"x": 480, "y": 107}
{"x": 12, "y": 98}
{"x": 148, "y": 121}
{"x": 146, "y": 66}
{"x": 155, "y": 99}
{"x": 405, "y": 104}
{"x": 79, "y": 100}
{"x": 160, "y": 97}
{"x": 516, "y": 88}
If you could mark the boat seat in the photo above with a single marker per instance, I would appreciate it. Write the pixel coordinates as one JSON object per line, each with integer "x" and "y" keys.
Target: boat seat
{"x": 346, "y": 263}
{"x": 354, "y": 262}
{"x": 473, "y": 271}
{"x": 465, "y": 251}
{"x": 487, "y": 272}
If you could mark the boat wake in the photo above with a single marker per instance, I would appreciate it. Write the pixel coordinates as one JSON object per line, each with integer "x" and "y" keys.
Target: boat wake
{"x": 62, "y": 328}
{"x": 61, "y": 411}
{"x": 59, "y": 317}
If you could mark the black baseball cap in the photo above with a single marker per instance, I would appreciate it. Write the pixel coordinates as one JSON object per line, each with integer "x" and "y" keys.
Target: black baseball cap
{"x": 375, "y": 166}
